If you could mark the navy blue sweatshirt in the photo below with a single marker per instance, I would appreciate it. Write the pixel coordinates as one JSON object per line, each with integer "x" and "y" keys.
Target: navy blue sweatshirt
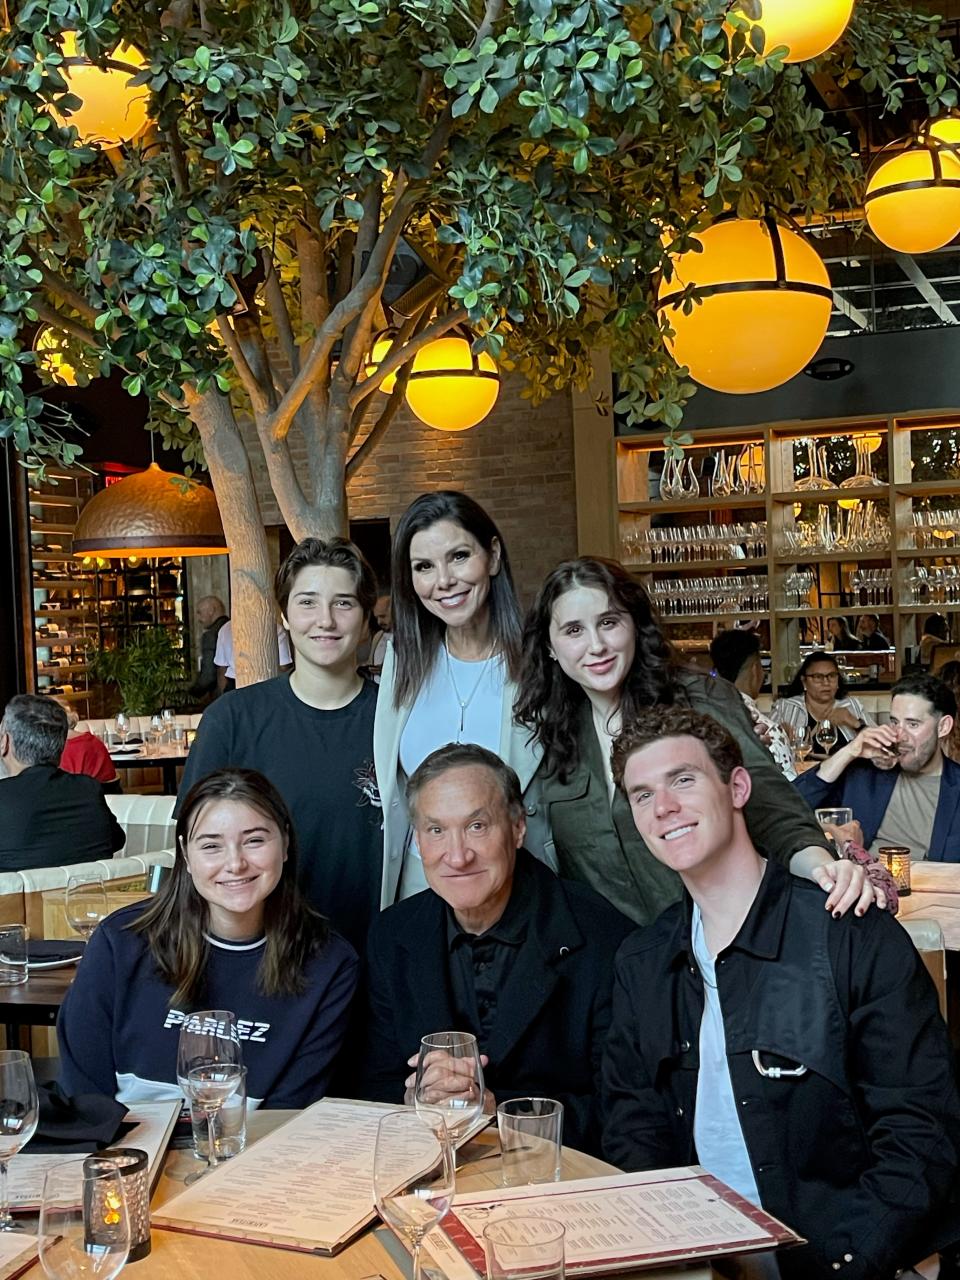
{"x": 118, "y": 1034}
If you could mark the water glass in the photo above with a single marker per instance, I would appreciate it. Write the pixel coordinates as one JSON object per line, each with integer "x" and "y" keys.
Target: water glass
{"x": 151, "y": 742}
{"x": 531, "y": 1138}
{"x": 524, "y": 1248}
{"x": 13, "y": 954}
{"x": 443, "y": 1054}
{"x": 209, "y": 1086}
{"x": 834, "y": 817}
{"x": 229, "y": 1125}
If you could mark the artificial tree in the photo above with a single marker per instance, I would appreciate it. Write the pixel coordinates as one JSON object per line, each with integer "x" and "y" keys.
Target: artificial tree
{"x": 536, "y": 157}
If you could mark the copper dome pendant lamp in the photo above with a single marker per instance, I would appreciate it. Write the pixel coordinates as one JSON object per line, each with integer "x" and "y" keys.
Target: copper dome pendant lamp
{"x": 151, "y": 513}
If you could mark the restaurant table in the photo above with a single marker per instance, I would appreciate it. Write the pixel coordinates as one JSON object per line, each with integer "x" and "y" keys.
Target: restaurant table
{"x": 166, "y": 759}
{"x": 34, "y": 1003}
{"x": 935, "y": 895}
{"x": 180, "y": 1256}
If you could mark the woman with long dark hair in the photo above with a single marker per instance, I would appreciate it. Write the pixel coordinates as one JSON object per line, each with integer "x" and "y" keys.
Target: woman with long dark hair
{"x": 228, "y": 929}
{"x": 450, "y": 670}
{"x": 818, "y": 692}
{"x": 594, "y": 656}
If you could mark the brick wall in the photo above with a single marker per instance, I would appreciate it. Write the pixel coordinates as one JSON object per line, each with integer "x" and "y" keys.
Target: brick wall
{"x": 518, "y": 464}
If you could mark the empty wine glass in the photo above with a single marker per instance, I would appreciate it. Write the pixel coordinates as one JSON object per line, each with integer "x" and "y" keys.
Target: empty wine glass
{"x": 826, "y": 736}
{"x": 18, "y": 1119}
{"x": 442, "y": 1055}
{"x": 207, "y": 1039}
{"x": 122, "y": 727}
{"x": 209, "y": 1086}
{"x": 413, "y": 1176}
{"x": 84, "y": 1231}
{"x": 85, "y": 903}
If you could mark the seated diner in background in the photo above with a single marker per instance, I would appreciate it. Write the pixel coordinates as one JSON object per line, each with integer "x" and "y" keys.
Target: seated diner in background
{"x": 869, "y": 633}
{"x": 497, "y": 946}
{"x": 902, "y": 788}
{"x": 949, "y": 673}
{"x": 841, "y": 638}
{"x": 818, "y": 693}
{"x": 228, "y": 929}
{"x": 50, "y": 818}
{"x": 799, "y": 1058}
{"x": 736, "y": 657}
{"x": 83, "y": 752}
{"x": 936, "y": 631}
{"x": 594, "y": 656}
{"x": 225, "y": 664}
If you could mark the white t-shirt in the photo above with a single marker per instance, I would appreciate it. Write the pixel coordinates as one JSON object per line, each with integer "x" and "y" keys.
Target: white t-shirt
{"x": 434, "y": 718}
{"x": 716, "y": 1125}
{"x": 224, "y": 654}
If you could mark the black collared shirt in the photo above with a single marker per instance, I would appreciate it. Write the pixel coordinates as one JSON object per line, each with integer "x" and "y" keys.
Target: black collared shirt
{"x": 479, "y": 964}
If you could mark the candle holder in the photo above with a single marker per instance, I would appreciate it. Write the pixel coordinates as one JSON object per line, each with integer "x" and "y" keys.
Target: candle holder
{"x": 135, "y": 1175}
{"x": 896, "y": 859}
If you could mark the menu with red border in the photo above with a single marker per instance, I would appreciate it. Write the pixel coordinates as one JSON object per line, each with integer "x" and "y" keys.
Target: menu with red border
{"x": 626, "y": 1221}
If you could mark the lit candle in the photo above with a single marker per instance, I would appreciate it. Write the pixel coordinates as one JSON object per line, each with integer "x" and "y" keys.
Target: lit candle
{"x": 896, "y": 859}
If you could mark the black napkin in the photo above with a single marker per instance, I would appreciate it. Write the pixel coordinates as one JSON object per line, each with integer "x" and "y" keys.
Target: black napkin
{"x": 43, "y": 950}
{"x": 88, "y": 1122}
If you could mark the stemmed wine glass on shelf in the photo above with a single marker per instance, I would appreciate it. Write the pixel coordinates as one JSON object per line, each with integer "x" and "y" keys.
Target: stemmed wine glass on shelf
{"x": 85, "y": 903}
{"x": 209, "y": 1067}
{"x": 443, "y": 1055}
{"x": 19, "y": 1112}
{"x": 84, "y": 1231}
{"x": 413, "y": 1174}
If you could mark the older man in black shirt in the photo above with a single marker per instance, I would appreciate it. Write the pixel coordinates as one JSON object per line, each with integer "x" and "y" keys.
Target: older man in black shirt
{"x": 497, "y": 945}
{"x": 48, "y": 818}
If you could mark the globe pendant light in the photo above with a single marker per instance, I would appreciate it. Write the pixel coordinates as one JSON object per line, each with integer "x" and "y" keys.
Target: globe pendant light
{"x": 450, "y": 386}
{"x": 382, "y": 345}
{"x": 765, "y": 302}
{"x": 50, "y": 347}
{"x": 913, "y": 193}
{"x": 151, "y": 513}
{"x": 807, "y": 27}
{"x": 112, "y": 111}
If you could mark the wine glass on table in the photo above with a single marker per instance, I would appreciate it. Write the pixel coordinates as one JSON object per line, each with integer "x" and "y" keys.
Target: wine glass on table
{"x": 85, "y": 903}
{"x": 450, "y": 1079}
{"x": 825, "y": 736}
{"x": 84, "y": 1231}
{"x": 122, "y": 727}
{"x": 208, "y": 1039}
{"x": 801, "y": 739}
{"x": 18, "y": 1119}
{"x": 413, "y": 1174}
{"x": 209, "y": 1086}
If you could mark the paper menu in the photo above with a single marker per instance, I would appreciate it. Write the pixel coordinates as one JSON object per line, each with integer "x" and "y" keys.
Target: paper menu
{"x": 154, "y": 1125}
{"x": 17, "y": 1252}
{"x": 625, "y": 1221}
{"x": 307, "y": 1185}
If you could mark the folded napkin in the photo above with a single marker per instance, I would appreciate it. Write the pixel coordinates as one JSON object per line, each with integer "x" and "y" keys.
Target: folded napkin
{"x": 51, "y": 950}
{"x": 88, "y": 1122}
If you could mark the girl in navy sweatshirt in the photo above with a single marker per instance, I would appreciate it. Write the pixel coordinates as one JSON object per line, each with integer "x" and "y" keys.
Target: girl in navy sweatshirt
{"x": 229, "y": 929}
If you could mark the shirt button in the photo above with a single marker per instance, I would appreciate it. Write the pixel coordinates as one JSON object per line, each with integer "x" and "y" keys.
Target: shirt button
{"x": 531, "y": 810}
{"x": 679, "y": 1113}
{"x": 744, "y": 1102}
{"x": 693, "y": 969}
{"x": 848, "y": 1257}
{"x": 684, "y": 1046}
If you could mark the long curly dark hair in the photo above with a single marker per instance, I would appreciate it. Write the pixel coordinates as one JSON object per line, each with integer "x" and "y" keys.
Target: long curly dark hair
{"x": 417, "y": 634}
{"x": 549, "y": 702}
{"x": 176, "y": 921}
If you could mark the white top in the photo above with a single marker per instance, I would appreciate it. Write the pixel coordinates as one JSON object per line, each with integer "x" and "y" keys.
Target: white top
{"x": 224, "y": 654}
{"x": 435, "y": 717}
{"x": 716, "y": 1125}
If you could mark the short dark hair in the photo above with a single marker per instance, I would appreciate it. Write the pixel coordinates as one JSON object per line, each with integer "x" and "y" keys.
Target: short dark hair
{"x": 795, "y": 687}
{"x": 332, "y": 553}
{"x": 730, "y": 651}
{"x": 935, "y": 624}
{"x": 37, "y": 727}
{"x": 459, "y": 755}
{"x": 939, "y": 695}
{"x": 676, "y": 722}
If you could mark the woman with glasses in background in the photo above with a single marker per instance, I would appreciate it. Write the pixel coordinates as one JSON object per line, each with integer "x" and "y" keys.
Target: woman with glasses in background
{"x": 816, "y": 695}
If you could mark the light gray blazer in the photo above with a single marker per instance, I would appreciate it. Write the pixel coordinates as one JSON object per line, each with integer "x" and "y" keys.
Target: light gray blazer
{"x": 387, "y": 729}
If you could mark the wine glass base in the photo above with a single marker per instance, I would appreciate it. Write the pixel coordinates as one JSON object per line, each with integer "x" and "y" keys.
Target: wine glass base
{"x": 197, "y": 1174}
{"x": 13, "y": 1226}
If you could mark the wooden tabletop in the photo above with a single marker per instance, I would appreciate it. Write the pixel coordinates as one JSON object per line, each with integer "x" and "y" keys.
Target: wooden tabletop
{"x": 177, "y": 1256}
{"x": 36, "y": 1001}
{"x": 935, "y": 896}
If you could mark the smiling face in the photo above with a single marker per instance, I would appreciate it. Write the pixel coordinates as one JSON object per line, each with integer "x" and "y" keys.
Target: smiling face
{"x": 593, "y": 639}
{"x": 921, "y": 731}
{"x": 235, "y": 856}
{"x": 468, "y": 842}
{"x": 685, "y": 812}
{"x": 451, "y": 573}
{"x": 324, "y": 617}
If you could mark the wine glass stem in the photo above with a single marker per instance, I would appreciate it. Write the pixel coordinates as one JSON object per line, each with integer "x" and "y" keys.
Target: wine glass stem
{"x": 417, "y": 1246}
{"x": 212, "y": 1160}
{"x": 6, "y": 1218}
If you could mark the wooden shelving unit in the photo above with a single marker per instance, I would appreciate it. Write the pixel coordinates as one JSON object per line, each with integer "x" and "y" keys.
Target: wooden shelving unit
{"x": 899, "y": 463}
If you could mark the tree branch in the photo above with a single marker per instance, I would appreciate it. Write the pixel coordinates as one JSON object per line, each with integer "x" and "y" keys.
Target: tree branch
{"x": 402, "y": 354}
{"x": 235, "y": 351}
{"x": 277, "y": 306}
{"x": 376, "y": 432}
{"x": 56, "y": 320}
{"x": 56, "y": 285}
{"x": 314, "y": 292}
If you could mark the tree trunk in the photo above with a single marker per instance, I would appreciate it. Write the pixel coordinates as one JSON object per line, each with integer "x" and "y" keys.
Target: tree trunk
{"x": 251, "y": 596}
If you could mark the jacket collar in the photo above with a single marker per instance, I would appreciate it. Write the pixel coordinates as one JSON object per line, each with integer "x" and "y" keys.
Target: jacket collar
{"x": 948, "y": 809}
{"x": 761, "y": 933}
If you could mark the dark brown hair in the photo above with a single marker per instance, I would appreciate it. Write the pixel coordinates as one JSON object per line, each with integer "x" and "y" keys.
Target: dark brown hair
{"x": 417, "y": 634}
{"x": 676, "y": 722}
{"x": 460, "y": 755}
{"x": 176, "y": 921}
{"x": 549, "y": 701}
{"x": 336, "y": 553}
{"x": 795, "y": 687}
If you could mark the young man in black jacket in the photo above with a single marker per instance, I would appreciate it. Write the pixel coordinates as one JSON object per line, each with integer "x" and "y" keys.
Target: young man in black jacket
{"x": 799, "y": 1058}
